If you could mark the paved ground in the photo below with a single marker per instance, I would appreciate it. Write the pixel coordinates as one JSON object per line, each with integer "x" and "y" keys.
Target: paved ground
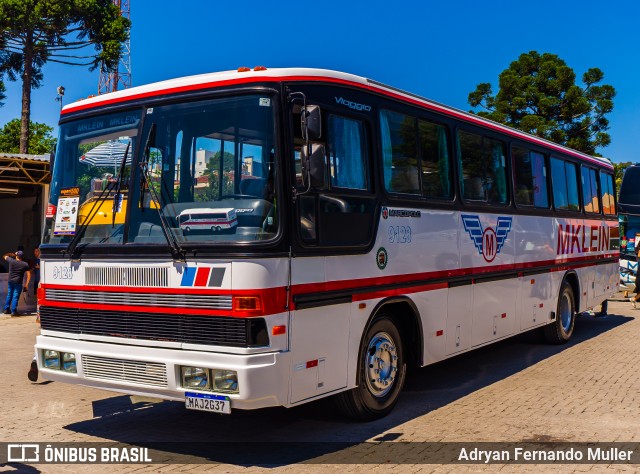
{"x": 516, "y": 391}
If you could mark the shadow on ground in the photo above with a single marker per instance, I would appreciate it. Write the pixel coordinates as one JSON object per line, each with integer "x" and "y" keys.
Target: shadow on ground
{"x": 279, "y": 436}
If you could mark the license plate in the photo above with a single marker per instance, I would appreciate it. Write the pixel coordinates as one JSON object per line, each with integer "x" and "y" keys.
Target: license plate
{"x": 206, "y": 402}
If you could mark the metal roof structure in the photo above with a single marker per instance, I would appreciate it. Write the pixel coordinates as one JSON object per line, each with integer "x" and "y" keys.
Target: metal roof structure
{"x": 17, "y": 169}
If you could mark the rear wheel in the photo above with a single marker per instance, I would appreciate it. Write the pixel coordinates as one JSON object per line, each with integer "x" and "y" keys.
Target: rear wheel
{"x": 381, "y": 372}
{"x": 560, "y": 331}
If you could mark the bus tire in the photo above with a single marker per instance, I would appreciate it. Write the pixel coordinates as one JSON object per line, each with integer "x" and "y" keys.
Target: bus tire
{"x": 560, "y": 331}
{"x": 381, "y": 371}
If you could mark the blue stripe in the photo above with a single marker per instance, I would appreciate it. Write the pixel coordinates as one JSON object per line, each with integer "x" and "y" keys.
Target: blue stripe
{"x": 188, "y": 276}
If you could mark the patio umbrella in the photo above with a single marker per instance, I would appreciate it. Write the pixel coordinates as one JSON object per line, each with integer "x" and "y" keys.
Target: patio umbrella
{"x": 107, "y": 154}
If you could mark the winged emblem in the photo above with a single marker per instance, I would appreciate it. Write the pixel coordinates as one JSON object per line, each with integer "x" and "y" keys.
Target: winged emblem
{"x": 474, "y": 228}
{"x": 487, "y": 241}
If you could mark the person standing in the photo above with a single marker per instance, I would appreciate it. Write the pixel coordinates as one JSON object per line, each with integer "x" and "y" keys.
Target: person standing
{"x": 36, "y": 270}
{"x": 17, "y": 269}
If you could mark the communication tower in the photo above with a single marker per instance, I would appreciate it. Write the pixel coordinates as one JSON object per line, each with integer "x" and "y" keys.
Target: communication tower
{"x": 121, "y": 77}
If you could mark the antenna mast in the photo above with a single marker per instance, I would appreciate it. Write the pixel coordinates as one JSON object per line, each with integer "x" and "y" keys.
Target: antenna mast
{"x": 121, "y": 77}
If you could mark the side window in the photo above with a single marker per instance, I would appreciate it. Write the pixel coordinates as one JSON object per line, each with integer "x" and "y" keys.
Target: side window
{"x": 482, "y": 166}
{"x": 347, "y": 158}
{"x": 434, "y": 154}
{"x": 530, "y": 178}
{"x": 608, "y": 194}
{"x": 564, "y": 178}
{"x": 590, "y": 194}
{"x": 400, "y": 153}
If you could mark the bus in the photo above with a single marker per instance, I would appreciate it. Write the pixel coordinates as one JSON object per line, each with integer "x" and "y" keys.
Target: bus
{"x": 629, "y": 216}
{"x": 375, "y": 230}
{"x": 213, "y": 220}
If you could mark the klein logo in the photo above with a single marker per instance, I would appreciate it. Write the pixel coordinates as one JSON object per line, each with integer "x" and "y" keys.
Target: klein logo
{"x": 489, "y": 242}
{"x": 353, "y": 105}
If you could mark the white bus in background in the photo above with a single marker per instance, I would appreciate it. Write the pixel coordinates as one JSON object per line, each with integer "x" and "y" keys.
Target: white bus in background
{"x": 629, "y": 216}
{"x": 380, "y": 230}
{"x": 214, "y": 220}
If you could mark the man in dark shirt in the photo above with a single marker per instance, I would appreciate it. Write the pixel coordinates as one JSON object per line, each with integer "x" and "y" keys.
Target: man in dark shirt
{"x": 17, "y": 268}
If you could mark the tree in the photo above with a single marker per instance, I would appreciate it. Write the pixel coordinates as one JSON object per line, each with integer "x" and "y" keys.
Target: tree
{"x": 538, "y": 95}
{"x": 618, "y": 169}
{"x": 40, "y": 139}
{"x": 75, "y": 32}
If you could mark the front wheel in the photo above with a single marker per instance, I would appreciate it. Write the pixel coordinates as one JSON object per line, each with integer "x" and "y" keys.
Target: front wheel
{"x": 560, "y": 331}
{"x": 381, "y": 372}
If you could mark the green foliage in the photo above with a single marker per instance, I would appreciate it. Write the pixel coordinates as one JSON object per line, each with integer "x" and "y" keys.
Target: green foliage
{"x": 538, "y": 94}
{"x": 618, "y": 169}
{"x": 40, "y": 139}
{"x": 75, "y": 32}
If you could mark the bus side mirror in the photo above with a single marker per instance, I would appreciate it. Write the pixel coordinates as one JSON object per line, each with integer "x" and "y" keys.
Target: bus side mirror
{"x": 313, "y": 164}
{"x": 311, "y": 122}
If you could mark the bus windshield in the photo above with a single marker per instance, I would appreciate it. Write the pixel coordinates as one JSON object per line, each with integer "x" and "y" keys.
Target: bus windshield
{"x": 203, "y": 172}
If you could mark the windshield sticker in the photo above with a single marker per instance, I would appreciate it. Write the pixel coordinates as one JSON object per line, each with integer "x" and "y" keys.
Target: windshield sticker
{"x": 265, "y": 102}
{"x": 488, "y": 241}
{"x": 67, "y": 212}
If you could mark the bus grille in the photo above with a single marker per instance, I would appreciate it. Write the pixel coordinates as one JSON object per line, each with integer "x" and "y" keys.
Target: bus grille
{"x": 184, "y": 328}
{"x": 217, "y": 302}
{"x": 118, "y": 276}
{"x": 121, "y": 370}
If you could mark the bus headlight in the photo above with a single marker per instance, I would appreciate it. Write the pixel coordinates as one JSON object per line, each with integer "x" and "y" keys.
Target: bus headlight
{"x": 51, "y": 359}
{"x": 195, "y": 377}
{"x": 225, "y": 381}
{"x": 69, "y": 362}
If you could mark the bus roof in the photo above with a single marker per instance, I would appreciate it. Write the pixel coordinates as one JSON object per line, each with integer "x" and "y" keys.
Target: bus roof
{"x": 238, "y": 77}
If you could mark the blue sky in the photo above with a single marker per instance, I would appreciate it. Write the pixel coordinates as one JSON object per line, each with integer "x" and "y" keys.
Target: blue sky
{"x": 440, "y": 50}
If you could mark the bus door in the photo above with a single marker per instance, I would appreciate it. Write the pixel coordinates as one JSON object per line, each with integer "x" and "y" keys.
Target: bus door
{"x": 334, "y": 219}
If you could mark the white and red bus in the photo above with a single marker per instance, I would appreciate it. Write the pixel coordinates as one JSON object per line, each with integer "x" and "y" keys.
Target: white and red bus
{"x": 375, "y": 230}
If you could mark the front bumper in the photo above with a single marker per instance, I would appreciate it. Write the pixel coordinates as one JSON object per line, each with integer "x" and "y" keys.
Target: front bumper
{"x": 155, "y": 372}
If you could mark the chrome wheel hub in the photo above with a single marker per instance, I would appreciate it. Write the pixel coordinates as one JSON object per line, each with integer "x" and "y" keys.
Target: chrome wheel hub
{"x": 381, "y": 362}
{"x": 566, "y": 311}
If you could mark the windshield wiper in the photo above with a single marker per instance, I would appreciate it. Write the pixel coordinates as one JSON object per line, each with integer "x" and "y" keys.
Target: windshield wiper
{"x": 117, "y": 203}
{"x": 71, "y": 248}
{"x": 111, "y": 185}
{"x": 177, "y": 252}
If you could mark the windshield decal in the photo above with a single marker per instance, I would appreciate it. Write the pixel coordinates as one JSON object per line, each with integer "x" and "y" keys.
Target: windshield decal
{"x": 67, "y": 211}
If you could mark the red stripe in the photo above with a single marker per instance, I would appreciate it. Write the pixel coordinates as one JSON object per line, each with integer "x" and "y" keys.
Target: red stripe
{"x": 202, "y": 276}
{"x": 274, "y": 299}
{"x": 434, "y": 107}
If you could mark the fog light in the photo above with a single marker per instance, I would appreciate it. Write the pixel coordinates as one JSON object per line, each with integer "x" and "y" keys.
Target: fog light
{"x": 225, "y": 381}
{"x": 195, "y": 377}
{"x": 51, "y": 359}
{"x": 69, "y": 362}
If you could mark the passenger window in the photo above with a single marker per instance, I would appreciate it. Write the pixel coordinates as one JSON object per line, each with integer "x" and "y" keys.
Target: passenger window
{"x": 434, "y": 154}
{"x": 608, "y": 194}
{"x": 530, "y": 178}
{"x": 590, "y": 194}
{"x": 399, "y": 151}
{"x": 482, "y": 165}
{"x": 347, "y": 158}
{"x": 416, "y": 156}
{"x": 564, "y": 178}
